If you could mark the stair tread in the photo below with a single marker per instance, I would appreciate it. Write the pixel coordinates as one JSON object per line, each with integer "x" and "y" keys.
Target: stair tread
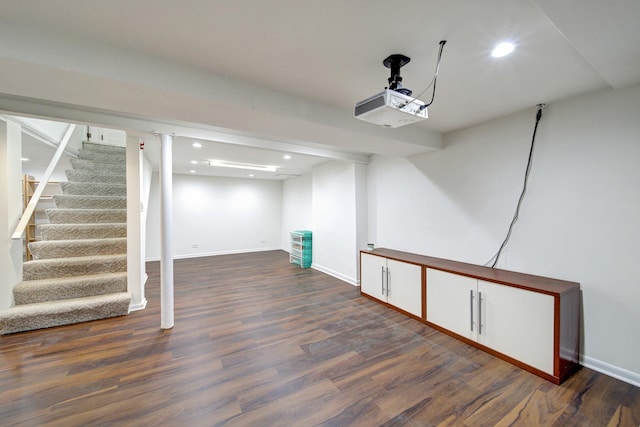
{"x": 94, "y": 172}
{"x": 71, "y": 301}
{"x": 83, "y": 230}
{"x": 77, "y": 201}
{"x": 90, "y": 196}
{"x": 101, "y": 145}
{"x": 79, "y": 175}
{"x": 80, "y": 259}
{"x": 85, "y": 225}
{"x": 50, "y": 249}
{"x": 84, "y": 216}
{"x": 63, "y": 312}
{"x": 84, "y": 210}
{"x": 83, "y": 162}
{"x": 101, "y": 157}
{"x": 84, "y": 242}
{"x": 107, "y": 184}
{"x": 93, "y": 188}
{"x": 103, "y": 184}
{"x": 57, "y": 280}
{"x": 34, "y": 291}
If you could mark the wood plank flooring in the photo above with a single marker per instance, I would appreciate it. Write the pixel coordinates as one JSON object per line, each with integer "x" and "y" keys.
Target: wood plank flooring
{"x": 260, "y": 342}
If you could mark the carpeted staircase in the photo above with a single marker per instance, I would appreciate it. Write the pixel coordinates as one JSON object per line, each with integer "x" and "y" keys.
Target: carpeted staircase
{"x": 79, "y": 270}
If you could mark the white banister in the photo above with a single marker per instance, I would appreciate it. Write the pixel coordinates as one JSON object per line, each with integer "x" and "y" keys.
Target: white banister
{"x": 24, "y": 220}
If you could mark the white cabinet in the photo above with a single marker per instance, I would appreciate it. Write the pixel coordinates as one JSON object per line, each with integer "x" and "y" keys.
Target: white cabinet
{"x": 530, "y": 321}
{"x": 373, "y": 276}
{"x": 451, "y": 302}
{"x": 396, "y": 283}
{"x": 515, "y": 322}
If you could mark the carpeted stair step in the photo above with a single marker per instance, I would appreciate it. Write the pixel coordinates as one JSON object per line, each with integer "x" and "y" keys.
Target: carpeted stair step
{"x": 86, "y": 216}
{"x": 82, "y": 164}
{"x": 47, "y": 249}
{"x": 91, "y": 176}
{"x": 82, "y": 231}
{"x": 55, "y": 313}
{"x": 34, "y": 291}
{"x": 99, "y": 157}
{"x": 93, "y": 189}
{"x": 74, "y": 201}
{"x": 72, "y": 267}
{"x": 103, "y": 148}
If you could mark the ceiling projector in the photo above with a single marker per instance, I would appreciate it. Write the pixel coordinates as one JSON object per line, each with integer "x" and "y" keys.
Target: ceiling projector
{"x": 394, "y": 107}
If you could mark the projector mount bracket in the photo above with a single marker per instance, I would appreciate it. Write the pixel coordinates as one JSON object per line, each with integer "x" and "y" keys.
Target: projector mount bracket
{"x": 394, "y": 63}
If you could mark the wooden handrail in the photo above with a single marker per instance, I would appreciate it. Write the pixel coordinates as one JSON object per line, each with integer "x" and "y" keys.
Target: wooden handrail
{"x": 35, "y": 181}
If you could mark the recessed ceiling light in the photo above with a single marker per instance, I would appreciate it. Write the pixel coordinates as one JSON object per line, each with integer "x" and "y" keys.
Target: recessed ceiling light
{"x": 251, "y": 175}
{"x": 24, "y": 159}
{"x": 503, "y": 49}
{"x": 196, "y": 145}
{"x": 192, "y": 171}
{"x": 227, "y": 164}
{"x": 287, "y": 157}
{"x": 194, "y": 162}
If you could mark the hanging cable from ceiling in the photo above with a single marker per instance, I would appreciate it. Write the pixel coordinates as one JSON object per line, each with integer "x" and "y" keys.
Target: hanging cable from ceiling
{"x": 433, "y": 81}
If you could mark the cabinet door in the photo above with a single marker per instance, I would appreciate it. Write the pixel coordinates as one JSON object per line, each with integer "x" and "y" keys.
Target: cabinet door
{"x": 452, "y": 302}
{"x": 373, "y": 276}
{"x": 518, "y": 323}
{"x": 404, "y": 286}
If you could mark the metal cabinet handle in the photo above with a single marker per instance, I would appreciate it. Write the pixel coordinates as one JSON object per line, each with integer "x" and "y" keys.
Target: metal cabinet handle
{"x": 388, "y": 283}
{"x": 382, "y": 279}
{"x": 471, "y": 308}
{"x": 479, "y": 313}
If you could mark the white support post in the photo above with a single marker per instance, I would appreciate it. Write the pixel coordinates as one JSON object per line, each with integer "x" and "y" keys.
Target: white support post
{"x": 10, "y": 209}
{"x": 135, "y": 226}
{"x": 166, "y": 230}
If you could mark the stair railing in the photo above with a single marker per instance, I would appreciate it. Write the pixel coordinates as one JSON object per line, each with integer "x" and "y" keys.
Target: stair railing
{"x": 28, "y": 186}
{"x": 31, "y": 207}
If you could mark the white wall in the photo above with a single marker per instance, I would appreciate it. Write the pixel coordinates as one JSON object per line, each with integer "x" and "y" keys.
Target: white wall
{"x": 361, "y": 214}
{"x": 296, "y": 207}
{"x": 220, "y": 215}
{"x": 419, "y": 204}
{"x": 579, "y": 220}
{"x": 335, "y": 239}
{"x": 10, "y": 210}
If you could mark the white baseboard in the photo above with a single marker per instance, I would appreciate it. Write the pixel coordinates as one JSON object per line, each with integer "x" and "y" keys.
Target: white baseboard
{"x": 611, "y": 370}
{"x": 206, "y": 254}
{"x": 141, "y": 306}
{"x": 344, "y": 278}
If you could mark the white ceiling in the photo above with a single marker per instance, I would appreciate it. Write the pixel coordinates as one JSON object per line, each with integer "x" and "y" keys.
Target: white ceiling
{"x": 288, "y": 72}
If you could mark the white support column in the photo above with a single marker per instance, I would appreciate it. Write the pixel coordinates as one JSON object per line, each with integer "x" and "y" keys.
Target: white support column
{"x": 166, "y": 230}
{"x": 136, "y": 272}
{"x": 10, "y": 209}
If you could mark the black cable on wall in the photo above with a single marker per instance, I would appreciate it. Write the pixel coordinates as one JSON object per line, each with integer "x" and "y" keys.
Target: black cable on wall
{"x": 496, "y": 257}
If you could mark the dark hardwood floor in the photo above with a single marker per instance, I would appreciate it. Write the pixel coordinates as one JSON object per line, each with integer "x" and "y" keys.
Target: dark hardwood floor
{"x": 260, "y": 342}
